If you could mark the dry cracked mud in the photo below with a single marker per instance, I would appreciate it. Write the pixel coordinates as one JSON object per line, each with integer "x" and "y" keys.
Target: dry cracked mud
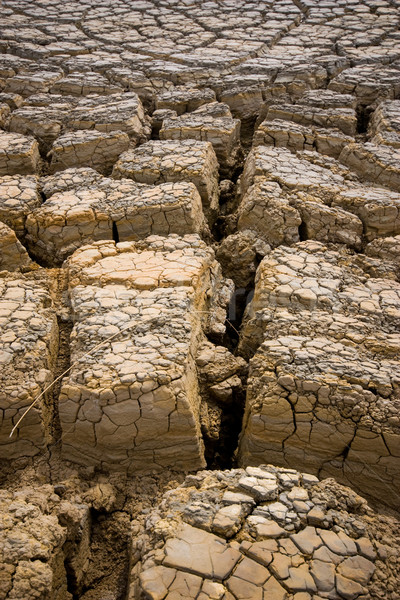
{"x": 200, "y": 300}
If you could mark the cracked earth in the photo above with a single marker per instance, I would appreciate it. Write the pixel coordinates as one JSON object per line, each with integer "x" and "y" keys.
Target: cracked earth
{"x": 200, "y": 300}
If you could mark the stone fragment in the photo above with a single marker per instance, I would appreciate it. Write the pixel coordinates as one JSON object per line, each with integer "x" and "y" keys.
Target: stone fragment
{"x": 347, "y": 588}
{"x": 116, "y": 112}
{"x": 387, "y": 249}
{"x": 13, "y": 100}
{"x": 376, "y": 163}
{"x": 27, "y": 83}
{"x": 42, "y": 122}
{"x": 326, "y": 99}
{"x": 365, "y": 548}
{"x": 368, "y": 83}
{"x": 83, "y": 84}
{"x": 317, "y": 517}
{"x": 384, "y": 127}
{"x": 185, "y": 585}
{"x": 18, "y": 154}
{"x": 378, "y": 208}
{"x": 121, "y": 210}
{"x": 338, "y": 543}
{"x": 158, "y": 117}
{"x": 136, "y": 405}
{"x": 159, "y": 161}
{"x": 211, "y": 590}
{"x": 245, "y": 102}
{"x": 265, "y": 210}
{"x": 308, "y": 379}
{"x": 271, "y": 568}
{"x": 273, "y": 164}
{"x": 307, "y": 540}
{"x": 239, "y": 255}
{"x": 300, "y": 579}
{"x": 70, "y": 180}
{"x": 343, "y": 119}
{"x": 264, "y": 528}
{"x": 227, "y": 520}
{"x": 204, "y": 125}
{"x": 326, "y": 223}
{"x": 223, "y": 392}
{"x": 28, "y": 349}
{"x": 19, "y": 196}
{"x": 13, "y": 256}
{"x": 280, "y": 565}
{"x": 263, "y": 487}
{"x": 244, "y": 589}
{"x": 295, "y": 137}
{"x": 273, "y": 590}
{"x": 325, "y": 555}
{"x": 184, "y": 99}
{"x": 357, "y": 568}
{"x": 87, "y": 148}
{"x": 262, "y": 552}
{"x": 156, "y": 581}
{"x": 234, "y": 497}
{"x": 251, "y": 571}
{"x": 323, "y": 574}
{"x": 102, "y": 497}
{"x": 201, "y": 553}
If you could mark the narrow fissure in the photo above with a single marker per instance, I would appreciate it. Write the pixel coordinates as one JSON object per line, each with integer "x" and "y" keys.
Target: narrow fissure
{"x": 107, "y": 575}
{"x": 247, "y": 128}
{"x": 303, "y": 231}
{"x": 237, "y": 306}
{"x": 222, "y": 453}
{"x": 224, "y": 418}
{"x": 62, "y": 363}
{"x": 222, "y": 442}
{"x": 115, "y": 233}
{"x": 35, "y": 256}
{"x": 363, "y": 118}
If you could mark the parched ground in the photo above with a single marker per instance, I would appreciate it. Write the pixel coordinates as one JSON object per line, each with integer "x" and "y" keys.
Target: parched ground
{"x": 200, "y": 300}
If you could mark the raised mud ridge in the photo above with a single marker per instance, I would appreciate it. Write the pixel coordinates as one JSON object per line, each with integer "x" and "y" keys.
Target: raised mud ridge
{"x": 200, "y": 300}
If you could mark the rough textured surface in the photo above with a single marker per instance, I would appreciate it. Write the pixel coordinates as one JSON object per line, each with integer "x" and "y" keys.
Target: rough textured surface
{"x": 385, "y": 124}
{"x": 19, "y": 196}
{"x": 323, "y": 383}
{"x": 156, "y": 162}
{"x": 199, "y": 254}
{"x": 117, "y": 112}
{"x": 215, "y": 125}
{"x": 45, "y": 540}
{"x": 87, "y": 148}
{"x": 265, "y": 209}
{"x": 29, "y": 344}
{"x": 13, "y": 255}
{"x": 108, "y": 210}
{"x": 295, "y": 137}
{"x": 47, "y": 120}
{"x": 373, "y": 162}
{"x": 262, "y": 533}
{"x": 183, "y": 99}
{"x": 310, "y": 178}
{"x": 18, "y": 154}
{"x": 343, "y": 119}
{"x": 123, "y": 412}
